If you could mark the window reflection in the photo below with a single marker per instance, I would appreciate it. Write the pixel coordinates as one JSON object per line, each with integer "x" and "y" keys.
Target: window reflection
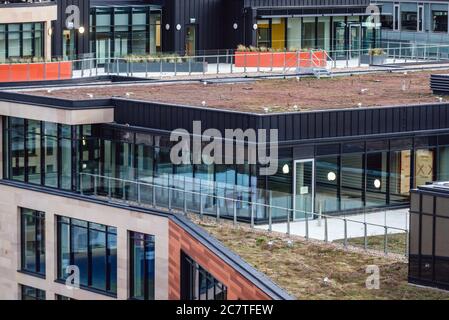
{"x": 92, "y": 248}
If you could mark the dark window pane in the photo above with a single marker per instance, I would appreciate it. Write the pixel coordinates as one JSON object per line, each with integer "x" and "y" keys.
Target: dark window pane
{"x": 197, "y": 283}
{"x": 98, "y": 252}
{"x": 79, "y": 243}
{"x": 33, "y": 241}
{"x": 400, "y": 171}
{"x": 30, "y": 293}
{"x": 142, "y": 266}
{"x": 376, "y": 179}
{"x": 352, "y": 171}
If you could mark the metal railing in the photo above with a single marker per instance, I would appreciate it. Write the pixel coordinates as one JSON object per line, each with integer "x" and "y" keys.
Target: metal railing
{"x": 227, "y": 63}
{"x": 312, "y": 225}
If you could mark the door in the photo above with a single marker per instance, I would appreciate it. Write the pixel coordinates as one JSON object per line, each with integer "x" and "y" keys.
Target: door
{"x": 191, "y": 40}
{"x": 303, "y": 188}
{"x": 355, "y": 39}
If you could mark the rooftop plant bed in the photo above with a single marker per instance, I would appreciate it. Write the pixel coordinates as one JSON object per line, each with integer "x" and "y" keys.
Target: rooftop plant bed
{"x": 269, "y": 96}
{"x": 155, "y": 63}
{"x": 34, "y": 70}
{"x": 375, "y": 56}
{"x": 266, "y": 58}
{"x": 315, "y": 270}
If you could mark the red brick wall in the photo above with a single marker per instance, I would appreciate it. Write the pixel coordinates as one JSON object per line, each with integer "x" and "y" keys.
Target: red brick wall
{"x": 238, "y": 286}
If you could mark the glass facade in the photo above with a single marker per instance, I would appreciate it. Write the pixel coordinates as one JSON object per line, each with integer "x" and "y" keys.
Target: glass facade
{"x": 413, "y": 16}
{"x": 121, "y": 31}
{"x": 331, "y": 33}
{"x": 33, "y": 241}
{"x": 30, "y": 293}
{"x": 92, "y": 248}
{"x": 198, "y": 284}
{"x": 135, "y": 166}
{"x": 39, "y": 152}
{"x": 21, "y": 40}
{"x": 141, "y": 266}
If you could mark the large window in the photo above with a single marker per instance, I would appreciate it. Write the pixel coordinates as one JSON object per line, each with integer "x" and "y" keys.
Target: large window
{"x": 352, "y": 181}
{"x": 141, "y": 266}
{"x": 21, "y": 40}
{"x": 197, "y": 283}
{"x": 326, "y": 184}
{"x": 33, "y": 241}
{"x": 120, "y": 31}
{"x": 38, "y": 152}
{"x": 30, "y": 293}
{"x": 409, "y": 17}
{"x": 439, "y": 21}
{"x": 92, "y": 248}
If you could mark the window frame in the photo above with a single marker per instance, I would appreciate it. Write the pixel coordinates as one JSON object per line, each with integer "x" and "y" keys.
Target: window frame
{"x": 38, "y": 216}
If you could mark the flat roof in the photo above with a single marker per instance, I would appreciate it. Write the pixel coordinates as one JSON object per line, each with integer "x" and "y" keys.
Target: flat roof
{"x": 271, "y": 95}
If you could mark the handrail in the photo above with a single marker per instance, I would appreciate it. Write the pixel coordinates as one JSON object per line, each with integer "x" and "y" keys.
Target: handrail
{"x": 249, "y": 203}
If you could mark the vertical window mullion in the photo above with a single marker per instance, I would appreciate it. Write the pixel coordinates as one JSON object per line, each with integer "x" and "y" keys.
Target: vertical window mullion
{"x": 145, "y": 269}
{"x": 107, "y": 267}
{"x": 37, "y": 244}
{"x": 89, "y": 257}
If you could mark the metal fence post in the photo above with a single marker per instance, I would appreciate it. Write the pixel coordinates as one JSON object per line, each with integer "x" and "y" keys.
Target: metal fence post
{"x": 346, "y": 232}
{"x": 146, "y": 68}
{"x": 297, "y": 60}
{"x": 81, "y": 184}
{"x": 201, "y": 205}
{"x": 169, "y": 197}
{"x": 153, "y": 195}
{"x": 234, "y": 210}
{"x": 271, "y": 61}
{"x": 232, "y": 63}
{"x": 307, "y": 227}
{"x": 258, "y": 62}
{"x": 95, "y": 185}
{"x": 217, "y": 211}
{"x": 326, "y": 238}
{"x": 244, "y": 61}
{"x": 285, "y": 62}
{"x": 269, "y": 213}
{"x": 138, "y": 193}
{"x": 109, "y": 189}
{"x": 160, "y": 68}
{"x": 185, "y": 196}
{"x": 204, "y": 63}
{"x": 190, "y": 65}
{"x": 176, "y": 69}
{"x": 218, "y": 64}
{"x": 406, "y": 243}
{"x": 253, "y": 208}
{"x": 386, "y": 240}
{"x": 288, "y": 222}
{"x": 365, "y": 234}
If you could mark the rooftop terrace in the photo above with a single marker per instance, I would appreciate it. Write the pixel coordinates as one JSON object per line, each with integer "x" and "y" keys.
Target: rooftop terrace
{"x": 274, "y": 95}
{"x": 316, "y": 270}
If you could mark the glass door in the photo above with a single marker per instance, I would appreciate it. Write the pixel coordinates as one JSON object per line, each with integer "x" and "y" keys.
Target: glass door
{"x": 191, "y": 40}
{"x": 303, "y": 188}
{"x": 355, "y": 39}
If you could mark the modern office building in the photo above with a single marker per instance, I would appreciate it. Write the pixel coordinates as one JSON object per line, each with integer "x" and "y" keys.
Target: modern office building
{"x": 414, "y": 21}
{"x": 109, "y": 29}
{"x": 25, "y": 29}
{"x": 119, "y": 251}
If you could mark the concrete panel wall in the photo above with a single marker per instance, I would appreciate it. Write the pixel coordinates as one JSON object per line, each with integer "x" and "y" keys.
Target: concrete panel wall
{"x": 11, "y": 199}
